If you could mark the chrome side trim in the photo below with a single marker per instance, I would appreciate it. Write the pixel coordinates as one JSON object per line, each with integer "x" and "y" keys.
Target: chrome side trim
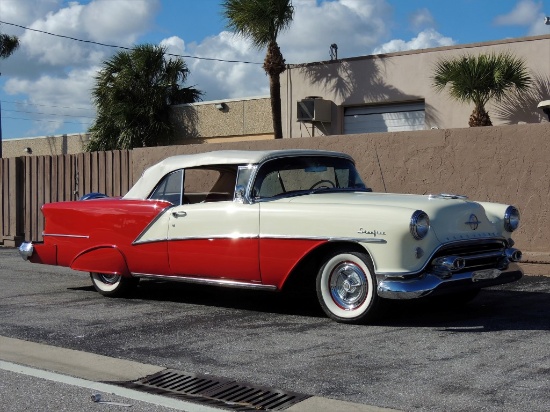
{"x": 283, "y": 237}
{"x": 327, "y": 238}
{"x": 65, "y": 235}
{"x": 205, "y": 237}
{"x": 144, "y": 242}
{"x": 207, "y": 281}
{"x": 151, "y": 223}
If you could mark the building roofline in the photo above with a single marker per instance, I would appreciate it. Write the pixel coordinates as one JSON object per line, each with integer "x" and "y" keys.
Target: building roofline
{"x": 239, "y": 99}
{"x": 420, "y": 51}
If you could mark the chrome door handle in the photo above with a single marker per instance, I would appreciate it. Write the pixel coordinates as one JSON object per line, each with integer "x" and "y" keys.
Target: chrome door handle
{"x": 181, "y": 213}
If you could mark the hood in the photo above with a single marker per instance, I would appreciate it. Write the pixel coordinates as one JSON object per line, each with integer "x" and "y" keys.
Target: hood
{"x": 451, "y": 217}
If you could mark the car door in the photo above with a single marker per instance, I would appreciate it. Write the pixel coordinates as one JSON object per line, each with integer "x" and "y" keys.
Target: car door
{"x": 211, "y": 235}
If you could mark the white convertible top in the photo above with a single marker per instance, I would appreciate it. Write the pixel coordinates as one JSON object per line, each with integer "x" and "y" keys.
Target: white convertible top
{"x": 152, "y": 175}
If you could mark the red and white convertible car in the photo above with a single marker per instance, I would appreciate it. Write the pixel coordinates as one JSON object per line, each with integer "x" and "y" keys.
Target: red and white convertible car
{"x": 260, "y": 219}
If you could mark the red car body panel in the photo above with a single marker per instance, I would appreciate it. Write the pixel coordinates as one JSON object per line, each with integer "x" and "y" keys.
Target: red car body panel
{"x": 225, "y": 258}
{"x": 98, "y": 236}
{"x": 278, "y": 257}
{"x": 103, "y": 259}
{"x": 93, "y": 234}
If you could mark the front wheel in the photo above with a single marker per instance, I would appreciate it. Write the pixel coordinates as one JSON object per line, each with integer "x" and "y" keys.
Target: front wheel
{"x": 346, "y": 287}
{"x": 113, "y": 285}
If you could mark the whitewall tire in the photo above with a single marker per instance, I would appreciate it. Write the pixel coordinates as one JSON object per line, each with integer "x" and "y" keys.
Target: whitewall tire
{"x": 346, "y": 287}
{"x": 112, "y": 285}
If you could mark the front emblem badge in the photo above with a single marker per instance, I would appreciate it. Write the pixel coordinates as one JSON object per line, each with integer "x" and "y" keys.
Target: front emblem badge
{"x": 473, "y": 222}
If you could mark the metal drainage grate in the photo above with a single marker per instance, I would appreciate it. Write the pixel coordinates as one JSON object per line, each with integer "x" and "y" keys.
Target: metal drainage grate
{"x": 216, "y": 391}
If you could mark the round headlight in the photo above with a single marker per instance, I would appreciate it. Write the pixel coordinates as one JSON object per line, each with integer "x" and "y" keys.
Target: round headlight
{"x": 511, "y": 219}
{"x": 420, "y": 224}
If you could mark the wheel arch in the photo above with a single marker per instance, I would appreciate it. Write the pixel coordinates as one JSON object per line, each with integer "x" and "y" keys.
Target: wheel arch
{"x": 106, "y": 259}
{"x": 304, "y": 272}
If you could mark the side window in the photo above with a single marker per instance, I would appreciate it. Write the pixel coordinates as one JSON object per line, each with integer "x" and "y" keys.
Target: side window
{"x": 209, "y": 184}
{"x": 170, "y": 188}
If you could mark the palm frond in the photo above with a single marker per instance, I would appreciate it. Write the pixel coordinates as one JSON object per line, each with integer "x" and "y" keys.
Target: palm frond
{"x": 133, "y": 92}
{"x": 8, "y": 44}
{"x": 478, "y": 79}
{"x": 259, "y": 20}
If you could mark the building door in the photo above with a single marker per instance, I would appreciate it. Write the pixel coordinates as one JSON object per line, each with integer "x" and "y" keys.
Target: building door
{"x": 384, "y": 118}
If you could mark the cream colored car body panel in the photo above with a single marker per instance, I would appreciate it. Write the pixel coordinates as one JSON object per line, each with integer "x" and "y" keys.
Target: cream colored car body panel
{"x": 382, "y": 220}
{"x": 214, "y": 220}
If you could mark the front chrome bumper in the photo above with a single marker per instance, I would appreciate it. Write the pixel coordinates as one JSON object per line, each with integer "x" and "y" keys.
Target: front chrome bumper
{"x": 431, "y": 284}
{"x": 26, "y": 250}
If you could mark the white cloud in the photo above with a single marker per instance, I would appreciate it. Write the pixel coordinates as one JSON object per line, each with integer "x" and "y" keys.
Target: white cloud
{"x": 69, "y": 94}
{"x": 314, "y": 28}
{"x": 99, "y": 20}
{"x": 425, "y": 39}
{"x": 421, "y": 19}
{"x": 524, "y": 14}
{"x": 24, "y": 12}
{"x": 174, "y": 45}
{"x": 102, "y": 19}
{"x": 356, "y": 26}
{"x": 221, "y": 80}
{"x": 55, "y": 71}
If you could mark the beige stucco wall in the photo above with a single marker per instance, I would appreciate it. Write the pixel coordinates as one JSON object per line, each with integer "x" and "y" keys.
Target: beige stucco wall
{"x": 507, "y": 164}
{"x": 246, "y": 117}
{"x": 240, "y": 120}
{"x": 45, "y": 145}
{"x": 406, "y": 76}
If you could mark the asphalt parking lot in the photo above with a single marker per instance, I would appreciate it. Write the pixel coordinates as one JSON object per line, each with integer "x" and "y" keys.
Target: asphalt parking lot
{"x": 491, "y": 354}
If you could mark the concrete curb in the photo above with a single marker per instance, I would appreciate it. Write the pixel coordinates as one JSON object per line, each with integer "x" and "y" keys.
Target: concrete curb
{"x": 72, "y": 362}
{"x": 99, "y": 368}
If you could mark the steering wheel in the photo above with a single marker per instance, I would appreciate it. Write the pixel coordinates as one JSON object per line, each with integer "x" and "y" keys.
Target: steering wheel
{"x": 323, "y": 183}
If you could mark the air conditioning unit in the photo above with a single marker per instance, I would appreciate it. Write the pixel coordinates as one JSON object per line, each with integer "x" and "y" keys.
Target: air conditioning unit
{"x": 314, "y": 110}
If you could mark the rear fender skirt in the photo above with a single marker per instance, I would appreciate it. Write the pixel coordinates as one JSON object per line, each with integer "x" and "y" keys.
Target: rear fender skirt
{"x": 101, "y": 259}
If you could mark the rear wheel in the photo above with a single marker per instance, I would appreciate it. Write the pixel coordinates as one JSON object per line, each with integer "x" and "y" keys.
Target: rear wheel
{"x": 113, "y": 285}
{"x": 346, "y": 287}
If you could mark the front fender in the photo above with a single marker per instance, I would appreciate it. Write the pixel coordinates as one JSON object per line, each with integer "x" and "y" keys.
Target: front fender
{"x": 101, "y": 259}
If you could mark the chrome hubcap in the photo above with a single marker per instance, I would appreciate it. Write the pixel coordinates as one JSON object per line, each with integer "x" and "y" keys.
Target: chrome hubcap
{"x": 109, "y": 279}
{"x": 348, "y": 285}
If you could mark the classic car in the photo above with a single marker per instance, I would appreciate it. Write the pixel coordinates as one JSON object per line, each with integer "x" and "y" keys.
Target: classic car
{"x": 275, "y": 219}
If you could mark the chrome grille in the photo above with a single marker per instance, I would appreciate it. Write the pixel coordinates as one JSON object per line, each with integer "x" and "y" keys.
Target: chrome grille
{"x": 476, "y": 254}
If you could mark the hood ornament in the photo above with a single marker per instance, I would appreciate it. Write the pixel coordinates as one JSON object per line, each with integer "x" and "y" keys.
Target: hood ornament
{"x": 447, "y": 196}
{"x": 473, "y": 222}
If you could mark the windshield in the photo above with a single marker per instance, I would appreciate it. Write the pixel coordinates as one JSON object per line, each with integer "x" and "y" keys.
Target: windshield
{"x": 301, "y": 175}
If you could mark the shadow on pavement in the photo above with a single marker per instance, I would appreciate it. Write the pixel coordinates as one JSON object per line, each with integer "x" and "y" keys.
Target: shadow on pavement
{"x": 508, "y": 307}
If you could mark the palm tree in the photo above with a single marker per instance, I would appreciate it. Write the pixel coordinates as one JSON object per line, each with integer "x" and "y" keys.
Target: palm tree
{"x": 261, "y": 21}
{"x": 133, "y": 94}
{"x": 477, "y": 79}
{"x": 8, "y": 44}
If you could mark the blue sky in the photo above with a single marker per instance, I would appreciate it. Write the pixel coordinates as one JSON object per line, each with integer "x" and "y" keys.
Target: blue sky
{"x": 45, "y": 86}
